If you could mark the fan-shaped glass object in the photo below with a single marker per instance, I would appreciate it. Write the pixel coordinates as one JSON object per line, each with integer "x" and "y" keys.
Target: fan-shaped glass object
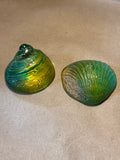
{"x": 90, "y": 82}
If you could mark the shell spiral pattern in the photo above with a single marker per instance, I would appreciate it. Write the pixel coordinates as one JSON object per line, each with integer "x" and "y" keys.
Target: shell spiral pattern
{"x": 30, "y": 71}
{"x": 89, "y": 82}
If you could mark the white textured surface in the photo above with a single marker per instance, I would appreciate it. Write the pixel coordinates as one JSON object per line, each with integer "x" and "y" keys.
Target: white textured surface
{"x": 50, "y": 125}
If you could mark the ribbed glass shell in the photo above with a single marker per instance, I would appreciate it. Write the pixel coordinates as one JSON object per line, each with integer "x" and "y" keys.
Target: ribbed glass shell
{"x": 90, "y": 82}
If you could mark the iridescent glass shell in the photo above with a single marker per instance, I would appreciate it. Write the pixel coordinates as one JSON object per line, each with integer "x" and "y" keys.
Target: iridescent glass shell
{"x": 89, "y": 82}
{"x": 30, "y": 71}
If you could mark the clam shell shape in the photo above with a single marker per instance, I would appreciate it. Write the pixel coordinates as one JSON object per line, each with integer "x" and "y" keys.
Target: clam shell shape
{"x": 30, "y": 71}
{"x": 90, "y": 82}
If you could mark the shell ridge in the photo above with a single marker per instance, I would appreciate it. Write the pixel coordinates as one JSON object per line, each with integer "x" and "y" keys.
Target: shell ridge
{"x": 112, "y": 78}
{"x": 91, "y": 73}
{"x": 80, "y": 76}
{"x": 101, "y": 83}
{"x": 95, "y": 74}
{"x": 73, "y": 71}
{"x": 108, "y": 73}
{"x": 71, "y": 76}
{"x": 106, "y": 76}
{"x": 76, "y": 72}
{"x": 90, "y": 80}
{"x": 83, "y": 73}
{"x": 98, "y": 65}
{"x": 103, "y": 73}
{"x": 86, "y": 68}
{"x": 69, "y": 89}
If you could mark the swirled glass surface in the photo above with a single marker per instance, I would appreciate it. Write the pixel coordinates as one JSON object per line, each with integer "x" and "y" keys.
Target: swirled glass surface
{"x": 30, "y": 71}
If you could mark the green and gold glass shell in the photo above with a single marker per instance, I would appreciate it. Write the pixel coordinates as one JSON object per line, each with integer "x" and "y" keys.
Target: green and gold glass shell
{"x": 89, "y": 82}
{"x": 30, "y": 71}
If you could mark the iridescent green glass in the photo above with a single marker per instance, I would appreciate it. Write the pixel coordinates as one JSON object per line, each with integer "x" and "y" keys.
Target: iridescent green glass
{"x": 90, "y": 82}
{"x": 30, "y": 71}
